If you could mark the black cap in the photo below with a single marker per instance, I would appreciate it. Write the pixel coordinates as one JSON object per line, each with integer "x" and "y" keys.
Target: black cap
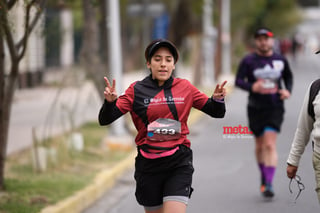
{"x": 263, "y": 31}
{"x": 318, "y": 52}
{"x": 156, "y": 44}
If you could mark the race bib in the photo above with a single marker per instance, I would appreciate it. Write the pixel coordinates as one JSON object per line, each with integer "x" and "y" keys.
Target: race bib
{"x": 164, "y": 129}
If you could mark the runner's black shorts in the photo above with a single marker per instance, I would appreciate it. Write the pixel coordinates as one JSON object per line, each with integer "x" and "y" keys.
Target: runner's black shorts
{"x": 260, "y": 118}
{"x": 163, "y": 177}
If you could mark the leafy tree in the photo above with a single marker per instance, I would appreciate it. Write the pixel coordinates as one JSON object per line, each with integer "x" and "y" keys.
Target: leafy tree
{"x": 247, "y": 15}
{"x": 17, "y": 49}
{"x": 190, "y": 12}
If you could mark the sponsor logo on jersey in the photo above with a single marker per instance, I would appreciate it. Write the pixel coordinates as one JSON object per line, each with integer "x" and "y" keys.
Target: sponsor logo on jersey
{"x": 164, "y": 100}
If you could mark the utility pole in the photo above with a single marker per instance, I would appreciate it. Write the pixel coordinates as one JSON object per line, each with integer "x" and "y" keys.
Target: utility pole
{"x": 115, "y": 57}
{"x": 208, "y": 46}
{"x": 67, "y": 47}
{"x": 145, "y": 30}
{"x": 225, "y": 37}
{"x": 118, "y": 137}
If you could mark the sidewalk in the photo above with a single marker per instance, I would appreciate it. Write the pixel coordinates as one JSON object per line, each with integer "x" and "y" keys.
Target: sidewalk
{"x": 47, "y": 109}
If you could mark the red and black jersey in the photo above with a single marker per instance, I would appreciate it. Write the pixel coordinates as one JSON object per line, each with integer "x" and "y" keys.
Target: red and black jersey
{"x": 146, "y": 102}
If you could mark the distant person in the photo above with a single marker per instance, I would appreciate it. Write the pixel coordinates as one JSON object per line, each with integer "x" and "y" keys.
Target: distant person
{"x": 308, "y": 125}
{"x": 159, "y": 106}
{"x": 295, "y": 45}
{"x": 285, "y": 46}
{"x": 261, "y": 74}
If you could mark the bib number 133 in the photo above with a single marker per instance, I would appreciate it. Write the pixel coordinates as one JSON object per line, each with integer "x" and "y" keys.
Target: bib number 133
{"x": 164, "y": 131}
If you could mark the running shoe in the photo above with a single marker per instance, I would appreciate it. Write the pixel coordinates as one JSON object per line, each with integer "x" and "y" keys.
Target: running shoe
{"x": 263, "y": 184}
{"x": 268, "y": 192}
{"x": 262, "y": 188}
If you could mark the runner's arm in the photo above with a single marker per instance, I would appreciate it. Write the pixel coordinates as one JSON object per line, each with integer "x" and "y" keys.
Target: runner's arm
{"x": 302, "y": 134}
{"x": 241, "y": 77}
{"x": 287, "y": 77}
{"x": 109, "y": 112}
{"x": 214, "y": 108}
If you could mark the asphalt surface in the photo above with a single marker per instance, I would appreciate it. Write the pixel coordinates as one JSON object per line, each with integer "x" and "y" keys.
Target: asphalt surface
{"x": 226, "y": 177}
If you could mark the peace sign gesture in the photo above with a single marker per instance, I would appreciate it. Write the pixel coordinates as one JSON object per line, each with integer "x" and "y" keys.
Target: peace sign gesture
{"x": 220, "y": 91}
{"x": 110, "y": 92}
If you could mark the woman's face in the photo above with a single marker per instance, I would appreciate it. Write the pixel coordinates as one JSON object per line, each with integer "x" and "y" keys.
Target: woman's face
{"x": 161, "y": 65}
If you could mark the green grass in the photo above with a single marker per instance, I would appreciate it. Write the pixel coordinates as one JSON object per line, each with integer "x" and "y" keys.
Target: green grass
{"x": 29, "y": 191}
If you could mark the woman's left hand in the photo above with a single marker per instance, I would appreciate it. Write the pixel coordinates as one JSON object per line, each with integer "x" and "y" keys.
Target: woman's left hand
{"x": 220, "y": 91}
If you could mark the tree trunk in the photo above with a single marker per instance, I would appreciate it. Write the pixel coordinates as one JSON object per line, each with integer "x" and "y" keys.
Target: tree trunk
{"x": 5, "y": 113}
{"x": 8, "y": 82}
{"x": 179, "y": 29}
{"x": 89, "y": 54}
{"x": 6, "y": 97}
{"x": 218, "y": 56}
{"x": 2, "y": 109}
{"x": 104, "y": 32}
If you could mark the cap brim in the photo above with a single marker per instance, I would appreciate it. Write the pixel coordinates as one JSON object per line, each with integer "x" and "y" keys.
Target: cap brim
{"x": 263, "y": 32}
{"x": 167, "y": 44}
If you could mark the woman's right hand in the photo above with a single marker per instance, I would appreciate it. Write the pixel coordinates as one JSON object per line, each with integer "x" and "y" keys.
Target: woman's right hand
{"x": 110, "y": 92}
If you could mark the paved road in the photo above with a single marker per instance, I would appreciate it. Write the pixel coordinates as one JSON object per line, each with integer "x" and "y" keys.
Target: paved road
{"x": 226, "y": 176}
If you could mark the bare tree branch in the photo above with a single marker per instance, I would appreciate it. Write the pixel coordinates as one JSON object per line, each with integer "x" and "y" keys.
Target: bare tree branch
{"x": 7, "y": 32}
{"x": 27, "y": 31}
{"x": 11, "y": 3}
{"x": 41, "y": 4}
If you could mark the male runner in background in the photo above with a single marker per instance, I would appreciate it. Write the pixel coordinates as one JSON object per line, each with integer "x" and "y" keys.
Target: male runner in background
{"x": 261, "y": 73}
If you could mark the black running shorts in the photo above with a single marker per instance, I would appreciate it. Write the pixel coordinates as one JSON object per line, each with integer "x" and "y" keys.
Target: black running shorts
{"x": 163, "y": 177}
{"x": 259, "y": 118}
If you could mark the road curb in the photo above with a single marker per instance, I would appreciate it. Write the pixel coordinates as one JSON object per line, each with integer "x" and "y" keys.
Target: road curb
{"x": 87, "y": 196}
